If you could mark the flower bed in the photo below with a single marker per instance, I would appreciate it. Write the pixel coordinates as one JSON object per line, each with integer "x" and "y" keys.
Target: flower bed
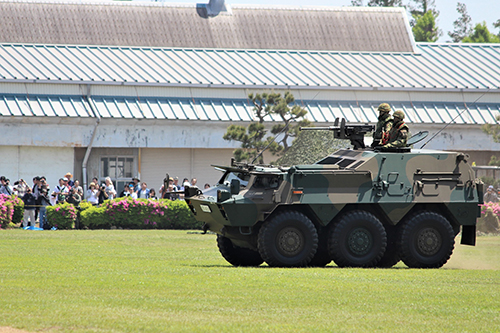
{"x": 11, "y": 211}
{"x": 128, "y": 213}
{"x": 62, "y": 216}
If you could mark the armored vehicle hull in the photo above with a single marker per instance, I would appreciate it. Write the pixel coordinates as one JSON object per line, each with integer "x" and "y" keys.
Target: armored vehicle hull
{"x": 359, "y": 208}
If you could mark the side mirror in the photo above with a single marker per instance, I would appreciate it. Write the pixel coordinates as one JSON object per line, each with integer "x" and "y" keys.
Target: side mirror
{"x": 235, "y": 186}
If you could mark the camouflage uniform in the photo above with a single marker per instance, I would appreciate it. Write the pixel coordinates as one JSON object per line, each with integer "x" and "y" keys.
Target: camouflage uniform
{"x": 384, "y": 125}
{"x": 399, "y": 133}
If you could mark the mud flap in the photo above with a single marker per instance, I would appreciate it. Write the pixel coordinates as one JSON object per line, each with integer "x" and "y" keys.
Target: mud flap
{"x": 468, "y": 235}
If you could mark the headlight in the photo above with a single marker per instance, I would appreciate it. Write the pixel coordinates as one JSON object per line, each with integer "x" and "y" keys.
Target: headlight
{"x": 205, "y": 208}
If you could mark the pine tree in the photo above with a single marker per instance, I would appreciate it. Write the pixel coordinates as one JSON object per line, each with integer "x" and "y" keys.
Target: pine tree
{"x": 481, "y": 34}
{"x": 385, "y": 3}
{"x": 425, "y": 28}
{"x": 252, "y": 137}
{"x": 462, "y": 25}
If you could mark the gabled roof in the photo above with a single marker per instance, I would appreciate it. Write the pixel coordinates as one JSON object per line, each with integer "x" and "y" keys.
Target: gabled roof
{"x": 449, "y": 67}
{"x": 243, "y": 27}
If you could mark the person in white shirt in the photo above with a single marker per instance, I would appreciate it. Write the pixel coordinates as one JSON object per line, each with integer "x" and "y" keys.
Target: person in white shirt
{"x": 131, "y": 192}
{"x": 92, "y": 195}
{"x": 110, "y": 189}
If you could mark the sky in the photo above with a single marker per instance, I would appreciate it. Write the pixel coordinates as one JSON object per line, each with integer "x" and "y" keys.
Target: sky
{"x": 479, "y": 10}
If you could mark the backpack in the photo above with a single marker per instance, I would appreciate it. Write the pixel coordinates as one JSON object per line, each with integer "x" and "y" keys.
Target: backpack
{"x": 61, "y": 197}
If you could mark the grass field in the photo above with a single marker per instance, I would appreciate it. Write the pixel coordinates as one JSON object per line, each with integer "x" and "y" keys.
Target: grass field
{"x": 175, "y": 281}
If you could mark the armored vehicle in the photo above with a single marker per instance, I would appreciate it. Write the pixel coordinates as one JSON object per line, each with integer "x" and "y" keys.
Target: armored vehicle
{"x": 358, "y": 207}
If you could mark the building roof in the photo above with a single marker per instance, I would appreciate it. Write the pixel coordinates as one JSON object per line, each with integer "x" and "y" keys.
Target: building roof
{"x": 242, "y": 27}
{"x": 162, "y": 108}
{"x": 448, "y": 67}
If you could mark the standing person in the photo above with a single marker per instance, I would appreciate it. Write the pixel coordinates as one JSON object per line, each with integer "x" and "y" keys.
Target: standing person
{"x": 29, "y": 200}
{"x": 21, "y": 188}
{"x": 78, "y": 188}
{"x": 92, "y": 194}
{"x": 36, "y": 192}
{"x": 110, "y": 189}
{"x": 61, "y": 191}
{"x": 152, "y": 194}
{"x": 68, "y": 176}
{"x": 73, "y": 197}
{"x": 5, "y": 187}
{"x": 176, "y": 183}
{"x": 169, "y": 193}
{"x": 194, "y": 181}
{"x": 125, "y": 191}
{"x": 101, "y": 194}
{"x": 399, "y": 133}
{"x": 131, "y": 193}
{"x": 143, "y": 193}
{"x": 44, "y": 200}
{"x": 384, "y": 125}
{"x": 490, "y": 195}
{"x": 137, "y": 186}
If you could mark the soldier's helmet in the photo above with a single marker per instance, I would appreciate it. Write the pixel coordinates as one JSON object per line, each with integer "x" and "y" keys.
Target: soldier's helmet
{"x": 399, "y": 114}
{"x": 384, "y": 107}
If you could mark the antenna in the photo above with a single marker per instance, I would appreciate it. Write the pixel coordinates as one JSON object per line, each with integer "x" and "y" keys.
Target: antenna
{"x": 451, "y": 121}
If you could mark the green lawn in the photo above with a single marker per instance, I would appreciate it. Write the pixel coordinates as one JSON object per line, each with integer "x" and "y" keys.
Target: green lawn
{"x": 174, "y": 281}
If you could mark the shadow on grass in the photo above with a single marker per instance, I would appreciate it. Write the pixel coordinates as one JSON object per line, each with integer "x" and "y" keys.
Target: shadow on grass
{"x": 308, "y": 267}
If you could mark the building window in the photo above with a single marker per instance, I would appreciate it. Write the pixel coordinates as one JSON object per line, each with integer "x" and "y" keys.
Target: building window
{"x": 118, "y": 168}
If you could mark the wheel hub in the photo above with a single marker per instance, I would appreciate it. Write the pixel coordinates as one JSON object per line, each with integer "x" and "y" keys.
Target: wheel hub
{"x": 290, "y": 242}
{"x": 429, "y": 241}
{"x": 360, "y": 241}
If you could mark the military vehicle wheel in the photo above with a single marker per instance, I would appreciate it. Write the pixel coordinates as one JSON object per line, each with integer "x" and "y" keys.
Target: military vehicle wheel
{"x": 237, "y": 256}
{"x": 288, "y": 239}
{"x": 426, "y": 240}
{"x": 357, "y": 240}
{"x": 321, "y": 258}
{"x": 391, "y": 255}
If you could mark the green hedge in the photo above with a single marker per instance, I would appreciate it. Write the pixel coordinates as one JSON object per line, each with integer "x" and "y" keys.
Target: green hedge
{"x": 128, "y": 213}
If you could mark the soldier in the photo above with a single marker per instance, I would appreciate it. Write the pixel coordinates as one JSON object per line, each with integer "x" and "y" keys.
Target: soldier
{"x": 399, "y": 133}
{"x": 384, "y": 125}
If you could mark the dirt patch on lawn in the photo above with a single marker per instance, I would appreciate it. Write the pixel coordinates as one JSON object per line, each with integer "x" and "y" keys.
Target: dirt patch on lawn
{"x": 12, "y": 330}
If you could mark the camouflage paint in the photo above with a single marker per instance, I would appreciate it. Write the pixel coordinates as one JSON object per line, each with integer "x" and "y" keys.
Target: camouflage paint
{"x": 392, "y": 183}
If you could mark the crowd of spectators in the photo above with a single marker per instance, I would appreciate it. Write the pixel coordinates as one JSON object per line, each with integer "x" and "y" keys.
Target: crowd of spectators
{"x": 38, "y": 196}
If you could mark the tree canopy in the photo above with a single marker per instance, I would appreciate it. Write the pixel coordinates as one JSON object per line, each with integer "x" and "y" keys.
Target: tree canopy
{"x": 425, "y": 28}
{"x": 481, "y": 34}
{"x": 462, "y": 26}
{"x": 253, "y": 137}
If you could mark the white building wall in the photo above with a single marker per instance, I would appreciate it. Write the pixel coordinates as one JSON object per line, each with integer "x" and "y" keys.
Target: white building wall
{"x": 18, "y": 162}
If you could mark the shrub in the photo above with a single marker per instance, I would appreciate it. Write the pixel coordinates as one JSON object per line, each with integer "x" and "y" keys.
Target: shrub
{"x": 95, "y": 218}
{"x": 62, "y": 216}
{"x": 179, "y": 216}
{"x": 11, "y": 210}
{"x": 18, "y": 210}
{"x": 131, "y": 213}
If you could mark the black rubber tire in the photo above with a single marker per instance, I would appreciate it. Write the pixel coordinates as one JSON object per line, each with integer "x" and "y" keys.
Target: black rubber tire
{"x": 237, "y": 256}
{"x": 391, "y": 254}
{"x": 358, "y": 239}
{"x": 321, "y": 258}
{"x": 426, "y": 240}
{"x": 288, "y": 239}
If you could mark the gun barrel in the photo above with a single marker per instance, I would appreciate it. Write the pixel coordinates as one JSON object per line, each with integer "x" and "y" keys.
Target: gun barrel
{"x": 329, "y": 128}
